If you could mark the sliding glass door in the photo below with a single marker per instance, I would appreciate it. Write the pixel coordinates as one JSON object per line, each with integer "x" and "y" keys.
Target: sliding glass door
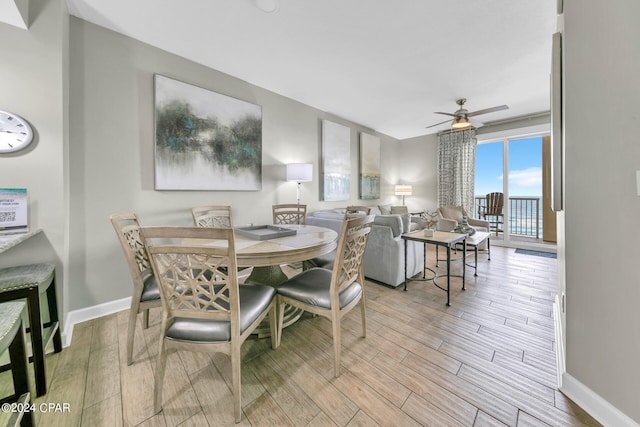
{"x": 513, "y": 167}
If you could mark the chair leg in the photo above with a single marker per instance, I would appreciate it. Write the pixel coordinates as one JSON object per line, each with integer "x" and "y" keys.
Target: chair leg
{"x": 363, "y": 313}
{"x": 52, "y": 303}
{"x": 280, "y": 315}
{"x": 273, "y": 327}
{"x": 235, "y": 379}
{"x": 159, "y": 379}
{"x": 37, "y": 346}
{"x": 145, "y": 318}
{"x": 19, "y": 371}
{"x": 335, "y": 322}
{"x": 131, "y": 329}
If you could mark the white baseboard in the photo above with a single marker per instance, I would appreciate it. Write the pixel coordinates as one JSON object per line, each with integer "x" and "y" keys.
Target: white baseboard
{"x": 557, "y": 326}
{"x": 603, "y": 411}
{"x": 89, "y": 313}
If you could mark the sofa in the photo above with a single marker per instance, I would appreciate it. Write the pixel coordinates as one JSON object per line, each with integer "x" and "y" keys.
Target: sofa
{"x": 384, "y": 254}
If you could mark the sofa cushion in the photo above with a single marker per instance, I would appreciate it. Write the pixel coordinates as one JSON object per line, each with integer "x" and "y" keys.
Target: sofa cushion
{"x": 403, "y": 211}
{"x": 385, "y": 209}
{"x": 392, "y": 221}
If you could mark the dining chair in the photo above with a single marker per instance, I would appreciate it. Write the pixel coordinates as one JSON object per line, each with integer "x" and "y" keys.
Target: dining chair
{"x": 289, "y": 214}
{"x": 327, "y": 260}
{"x": 145, "y": 288}
{"x": 332, "y": 293}
{"x": 206, "y": 310}
{"x": 212, "y": 216}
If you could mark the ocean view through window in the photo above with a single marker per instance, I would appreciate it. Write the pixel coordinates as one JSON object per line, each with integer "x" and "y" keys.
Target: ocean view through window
{"x": 522, "y": 188}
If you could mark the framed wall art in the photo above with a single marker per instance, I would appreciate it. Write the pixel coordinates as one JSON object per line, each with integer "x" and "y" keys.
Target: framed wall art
{"x": 336, "y": 161}
{"x": 369, "y": 166}
{"x": 205, "y": 140}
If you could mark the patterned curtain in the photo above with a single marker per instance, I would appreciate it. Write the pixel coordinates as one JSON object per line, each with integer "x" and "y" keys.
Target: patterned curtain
{"x": 457, "y": 168}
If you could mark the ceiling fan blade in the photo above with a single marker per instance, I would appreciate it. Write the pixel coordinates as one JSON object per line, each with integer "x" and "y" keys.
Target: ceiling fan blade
{"x": 446, "y": 114}
{"x": 488, "y": 110}
{"x": 437, "y": 124}
{"x": 476, "y": 123}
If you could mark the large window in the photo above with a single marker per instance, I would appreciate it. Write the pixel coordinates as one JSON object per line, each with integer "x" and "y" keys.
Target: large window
{"x": 522, "y": 188}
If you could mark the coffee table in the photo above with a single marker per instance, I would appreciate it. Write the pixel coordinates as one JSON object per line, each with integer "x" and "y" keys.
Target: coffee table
{"x": 440, "y": 238}
{"x": 473, "y": 242}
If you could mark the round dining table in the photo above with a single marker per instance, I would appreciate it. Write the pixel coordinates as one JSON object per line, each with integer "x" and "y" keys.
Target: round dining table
{"x": 266, "y": 256}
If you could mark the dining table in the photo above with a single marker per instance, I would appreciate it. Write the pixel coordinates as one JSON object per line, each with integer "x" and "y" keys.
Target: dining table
{"x": 267, "y": 255}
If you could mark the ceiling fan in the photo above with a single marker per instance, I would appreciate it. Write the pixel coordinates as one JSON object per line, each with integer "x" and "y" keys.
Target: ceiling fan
{"x": 461, "y": 117}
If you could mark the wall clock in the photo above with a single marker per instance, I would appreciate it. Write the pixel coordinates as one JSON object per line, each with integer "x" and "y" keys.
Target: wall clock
{"x": 15, "y": 133}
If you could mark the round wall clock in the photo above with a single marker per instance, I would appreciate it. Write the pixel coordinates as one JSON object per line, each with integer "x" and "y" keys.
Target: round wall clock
{"x": 15, "y": 133}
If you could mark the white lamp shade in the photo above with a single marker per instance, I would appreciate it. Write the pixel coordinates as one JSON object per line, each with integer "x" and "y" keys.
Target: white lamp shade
{"x": 300, "y": 172}
{"x": 403, "y": 190}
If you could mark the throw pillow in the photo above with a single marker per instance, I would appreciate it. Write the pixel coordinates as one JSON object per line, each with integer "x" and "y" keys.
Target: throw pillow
{"x": 399, "y": 210}
{"x": 385, "y": 209}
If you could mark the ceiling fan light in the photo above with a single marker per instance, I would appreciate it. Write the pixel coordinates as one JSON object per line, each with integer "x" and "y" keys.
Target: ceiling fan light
{"x": 460, "y": 123}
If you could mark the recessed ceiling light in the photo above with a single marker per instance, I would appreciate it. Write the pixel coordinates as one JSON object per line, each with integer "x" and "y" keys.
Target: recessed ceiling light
{"x": 268, "y": 6}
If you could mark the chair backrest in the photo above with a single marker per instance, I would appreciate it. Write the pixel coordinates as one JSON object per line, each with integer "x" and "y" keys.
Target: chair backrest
{"x": 212, "y": 216}
{"x": 349, "y": 255}
{"x": 196, "y": 279}
{"x": 494, "y": 203}
{"x": 289, "y": 214}
{"x": 353, "y": 211}
{"x": 127, "y": 228}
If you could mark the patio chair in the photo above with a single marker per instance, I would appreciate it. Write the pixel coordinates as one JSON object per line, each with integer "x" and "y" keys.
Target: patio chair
{"x": 493, "y": 211}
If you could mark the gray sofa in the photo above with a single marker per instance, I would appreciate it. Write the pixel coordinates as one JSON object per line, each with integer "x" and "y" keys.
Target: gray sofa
{"x": 384, "y": 254}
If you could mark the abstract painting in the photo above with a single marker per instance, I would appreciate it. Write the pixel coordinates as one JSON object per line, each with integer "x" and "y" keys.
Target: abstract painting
{"x": 205, "y": 140}
{"x": 369, "y": 166}
{"x": 336, "y": 161}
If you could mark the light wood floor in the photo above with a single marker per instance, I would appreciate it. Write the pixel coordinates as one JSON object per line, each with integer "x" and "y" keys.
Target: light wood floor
{"x": 488, "y": 360}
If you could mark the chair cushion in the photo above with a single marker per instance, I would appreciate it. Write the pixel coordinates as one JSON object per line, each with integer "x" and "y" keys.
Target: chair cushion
{"x": 25, "y": 276}
{"x": 312, "y": 287}
{"x": 150, "y": 292}
{"x": 254, "y": 300}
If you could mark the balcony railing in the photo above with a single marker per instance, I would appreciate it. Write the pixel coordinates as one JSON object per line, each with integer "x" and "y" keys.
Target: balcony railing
{"x": 525, "y": 215}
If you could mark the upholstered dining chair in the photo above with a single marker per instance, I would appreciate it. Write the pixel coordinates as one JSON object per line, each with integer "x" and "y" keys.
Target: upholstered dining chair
{"x": 332, "y": 293}
{"x": 212, "y": 216}
{"x": 206, "y": 310}
{"x": 327, "y": 260}
{"x": 145, "y": 288}
{"x": 289, "y": 214}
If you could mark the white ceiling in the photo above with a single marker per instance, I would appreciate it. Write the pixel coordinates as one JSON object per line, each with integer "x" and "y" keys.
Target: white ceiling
{"x": 387, "y": 65}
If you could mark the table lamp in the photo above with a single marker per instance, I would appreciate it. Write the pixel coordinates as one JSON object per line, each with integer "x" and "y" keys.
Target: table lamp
{"x": 299, "y": 172}
{"x": 403, "y": 190}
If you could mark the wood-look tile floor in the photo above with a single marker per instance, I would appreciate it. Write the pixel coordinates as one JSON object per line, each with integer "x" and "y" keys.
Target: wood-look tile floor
{"x": 487, "y": 360}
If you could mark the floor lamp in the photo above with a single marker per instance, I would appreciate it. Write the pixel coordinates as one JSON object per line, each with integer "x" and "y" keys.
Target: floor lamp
{"x": 299, "y": 172}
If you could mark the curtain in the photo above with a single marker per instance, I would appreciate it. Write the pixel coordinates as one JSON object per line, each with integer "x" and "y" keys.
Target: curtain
{"x": 456, "y": 169}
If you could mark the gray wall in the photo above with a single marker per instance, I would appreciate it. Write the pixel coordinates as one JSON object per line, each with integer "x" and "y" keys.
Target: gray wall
{"x": 602, "y": 88}
{"x": 111, "y": 153}
{"x": 32, "y": 84}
